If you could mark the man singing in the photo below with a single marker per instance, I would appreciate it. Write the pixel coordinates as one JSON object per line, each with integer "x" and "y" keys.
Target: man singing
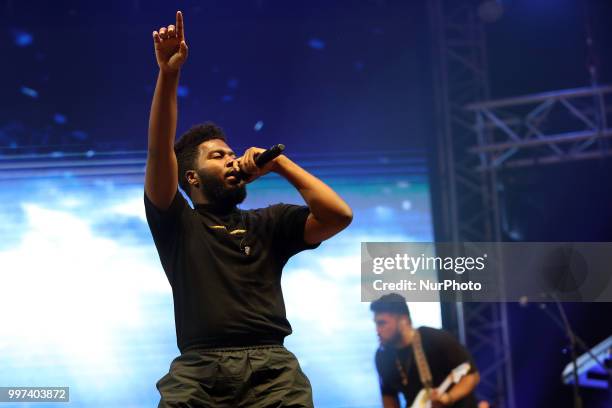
{"x": 224, "y": 264}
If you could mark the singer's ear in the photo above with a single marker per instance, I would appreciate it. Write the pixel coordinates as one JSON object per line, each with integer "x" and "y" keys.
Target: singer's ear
{"x": 192, "y": 178}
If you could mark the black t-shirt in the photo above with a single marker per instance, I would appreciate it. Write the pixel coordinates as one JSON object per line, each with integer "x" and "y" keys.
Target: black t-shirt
{"x": 224, "y": 267}
{"x": 443, "y": 352}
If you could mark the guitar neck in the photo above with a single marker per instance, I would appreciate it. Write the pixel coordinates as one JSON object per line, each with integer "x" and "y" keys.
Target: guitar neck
{"x": 445, "y": 384}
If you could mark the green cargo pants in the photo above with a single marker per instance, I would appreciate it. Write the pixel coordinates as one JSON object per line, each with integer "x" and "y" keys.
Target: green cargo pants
{"x": 260, "y": 376}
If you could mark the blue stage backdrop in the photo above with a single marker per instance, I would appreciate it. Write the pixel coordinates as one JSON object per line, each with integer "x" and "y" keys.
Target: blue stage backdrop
{"x": 86, "y": 303}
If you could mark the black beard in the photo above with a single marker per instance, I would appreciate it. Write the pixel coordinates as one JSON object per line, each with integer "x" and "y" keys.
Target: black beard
{"x": 217, "y": 192}
{"x": 395, "y": 339}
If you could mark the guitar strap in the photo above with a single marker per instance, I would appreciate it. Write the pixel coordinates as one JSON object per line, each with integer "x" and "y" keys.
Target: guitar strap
{"x": 421, "y": 360}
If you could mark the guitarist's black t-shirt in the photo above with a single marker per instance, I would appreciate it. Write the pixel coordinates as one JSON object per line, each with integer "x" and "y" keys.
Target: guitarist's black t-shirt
{"x": 443, "y": 352}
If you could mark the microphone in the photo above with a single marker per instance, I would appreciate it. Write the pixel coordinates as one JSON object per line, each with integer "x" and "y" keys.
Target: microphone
{"x": 269, "y": 155}
{"x": 265, "y": 157}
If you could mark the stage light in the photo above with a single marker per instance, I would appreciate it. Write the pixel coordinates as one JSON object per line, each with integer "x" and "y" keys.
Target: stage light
{"x": 490, "y": 11}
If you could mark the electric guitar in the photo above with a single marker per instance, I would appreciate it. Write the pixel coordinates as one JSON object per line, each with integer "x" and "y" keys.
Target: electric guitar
{"x": 422, "y": 399}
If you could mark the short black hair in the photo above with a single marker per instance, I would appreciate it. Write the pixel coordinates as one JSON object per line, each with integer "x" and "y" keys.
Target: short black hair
{"x": 186, "y": 148}
{"x": 391, "y": 303}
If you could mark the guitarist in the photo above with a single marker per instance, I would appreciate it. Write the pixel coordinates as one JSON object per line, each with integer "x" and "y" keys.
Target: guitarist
{"x": 397, "y": 365}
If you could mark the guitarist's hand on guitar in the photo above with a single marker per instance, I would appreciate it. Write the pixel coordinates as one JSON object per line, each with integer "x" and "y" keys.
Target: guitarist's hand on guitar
{"x": 439, "y": 397}
{"x": 439, "y": 400}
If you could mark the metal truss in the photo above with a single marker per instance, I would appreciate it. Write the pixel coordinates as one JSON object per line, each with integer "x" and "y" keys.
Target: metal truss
{"x": 469, "y": 199}
{"x": 550, "y": 127}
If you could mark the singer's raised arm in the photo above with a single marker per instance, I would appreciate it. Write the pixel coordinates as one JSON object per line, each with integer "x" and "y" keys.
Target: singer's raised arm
{"x": 161, "y": 175}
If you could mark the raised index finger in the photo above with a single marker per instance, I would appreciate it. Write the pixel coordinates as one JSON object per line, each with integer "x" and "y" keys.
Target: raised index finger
{"x": 179, "y": 25}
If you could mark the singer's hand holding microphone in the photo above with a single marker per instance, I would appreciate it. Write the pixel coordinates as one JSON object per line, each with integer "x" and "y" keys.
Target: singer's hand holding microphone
{"x": 256, "y": 162}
